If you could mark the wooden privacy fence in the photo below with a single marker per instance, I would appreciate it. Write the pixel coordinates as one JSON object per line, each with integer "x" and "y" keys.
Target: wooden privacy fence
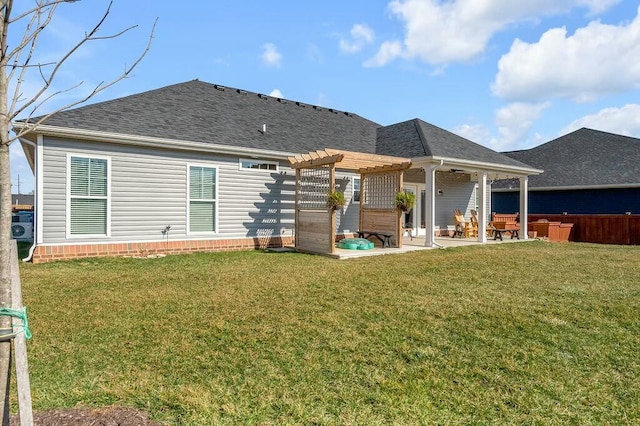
{"x": 598, "y": 228}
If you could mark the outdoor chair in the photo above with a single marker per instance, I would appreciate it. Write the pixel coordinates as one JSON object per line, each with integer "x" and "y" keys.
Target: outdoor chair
{"x": 462, "y": 228}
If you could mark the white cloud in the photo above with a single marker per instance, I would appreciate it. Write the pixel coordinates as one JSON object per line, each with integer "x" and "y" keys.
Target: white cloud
{"x": 514, "y": 122}
{"x": 270, "y": 55}
{"x": 623, "y": 121}
{"x": 361, "y": 35}
{"x": 388, "y": 51}
{"x": 474, "y": 132}
{"x": 276, "y": 93}
{"x": 598, "y": 59}
{"x": 440, "y": 32}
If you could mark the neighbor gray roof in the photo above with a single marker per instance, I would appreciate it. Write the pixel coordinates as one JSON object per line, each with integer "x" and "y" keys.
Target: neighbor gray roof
{"x": 202, "y": 112}
{"x": 584, "y": 158}
{"x": 416, "y": 138}
{"x": 22, "y": 199}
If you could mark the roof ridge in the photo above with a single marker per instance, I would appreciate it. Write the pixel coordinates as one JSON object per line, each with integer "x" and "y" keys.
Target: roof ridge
{"x": 422, "y": 136}
{"x": 316, "y": 107}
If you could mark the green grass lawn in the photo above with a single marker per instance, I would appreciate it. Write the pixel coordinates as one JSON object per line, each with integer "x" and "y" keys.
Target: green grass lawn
{"x": 534, "y": 333}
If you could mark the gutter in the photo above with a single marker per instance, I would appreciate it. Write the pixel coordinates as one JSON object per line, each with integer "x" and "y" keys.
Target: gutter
{"x": 126, "y": 139}
{"x": 475, "y": 166}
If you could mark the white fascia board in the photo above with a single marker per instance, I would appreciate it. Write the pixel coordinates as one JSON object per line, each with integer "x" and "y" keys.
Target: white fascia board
{"x": 29, "y": 149}
{"x": 475, "y": 166}
{"x": 570, "y": 188}
{"x": 153, "y": 142}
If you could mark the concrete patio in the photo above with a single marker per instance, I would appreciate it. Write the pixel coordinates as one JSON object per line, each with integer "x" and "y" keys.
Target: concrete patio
{"x": 417, "y": 243}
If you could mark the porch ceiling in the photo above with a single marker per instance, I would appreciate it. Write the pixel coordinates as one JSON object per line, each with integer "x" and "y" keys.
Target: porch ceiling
{"x": 350, "y": 160}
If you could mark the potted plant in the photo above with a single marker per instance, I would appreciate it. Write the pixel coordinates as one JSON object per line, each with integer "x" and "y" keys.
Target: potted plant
{"x": 335, "y": 200}
{"x": 405, "y": 200}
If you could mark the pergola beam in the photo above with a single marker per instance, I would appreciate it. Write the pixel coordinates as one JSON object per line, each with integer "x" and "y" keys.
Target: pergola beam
{"x": 349, "y": 160}
{"x": 306, "y": 160}
{"x": 385, "y": 168}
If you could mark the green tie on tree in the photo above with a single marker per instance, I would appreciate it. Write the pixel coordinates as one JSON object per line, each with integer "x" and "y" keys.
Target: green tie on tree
{"x": 21, "y": 28}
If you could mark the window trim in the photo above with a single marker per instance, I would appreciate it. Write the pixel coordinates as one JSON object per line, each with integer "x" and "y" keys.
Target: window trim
{"x": 353, "y": 189}
{"x": 255, "y": 161}
{"x": 215, "y": 200}
{"x": 68, "y": 233}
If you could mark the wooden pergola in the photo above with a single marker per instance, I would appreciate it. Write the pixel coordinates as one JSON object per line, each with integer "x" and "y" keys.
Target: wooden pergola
{"x": 381, "y": 179}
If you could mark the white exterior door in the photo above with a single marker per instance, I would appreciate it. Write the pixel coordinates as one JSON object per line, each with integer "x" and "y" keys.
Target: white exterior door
{"x": 412, "y": 216}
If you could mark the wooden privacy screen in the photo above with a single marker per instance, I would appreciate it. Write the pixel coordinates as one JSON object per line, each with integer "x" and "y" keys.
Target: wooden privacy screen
{"x": 315, "y": 222}
{"x": 377, "y": 204}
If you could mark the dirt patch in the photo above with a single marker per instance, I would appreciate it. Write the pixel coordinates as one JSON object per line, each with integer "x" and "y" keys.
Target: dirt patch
{"x": 113, "y": 416}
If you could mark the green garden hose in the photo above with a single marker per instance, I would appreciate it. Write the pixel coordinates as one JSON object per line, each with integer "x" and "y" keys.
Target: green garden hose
{"x": 10, "y": 333}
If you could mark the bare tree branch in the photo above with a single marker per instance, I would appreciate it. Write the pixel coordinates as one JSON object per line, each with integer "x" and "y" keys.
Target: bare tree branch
{"x": 30, "y": 126}
{"x": 5, "y": 28}
{"x": 40, "y": 7}
{"x": 31, "y": 37}
{"x": 36, "y": 18}
{"x": 90, "y": 36}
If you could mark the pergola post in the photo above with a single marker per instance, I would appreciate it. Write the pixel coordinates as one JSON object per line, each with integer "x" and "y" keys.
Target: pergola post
{"x": 332, "y": 213}
{"x": 296, "y": 208}
{"x": 399, "y": 212}
{"x": 363, "y": 194}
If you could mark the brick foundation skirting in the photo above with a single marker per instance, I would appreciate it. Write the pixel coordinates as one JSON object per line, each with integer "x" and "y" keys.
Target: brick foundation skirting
{"x": 143, "y": 249}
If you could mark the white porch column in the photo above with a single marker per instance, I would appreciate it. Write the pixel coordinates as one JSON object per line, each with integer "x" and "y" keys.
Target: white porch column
{"x": 482, "y": 208}
{"x": 524, "y": 207}
{"x": 430, "y": 204}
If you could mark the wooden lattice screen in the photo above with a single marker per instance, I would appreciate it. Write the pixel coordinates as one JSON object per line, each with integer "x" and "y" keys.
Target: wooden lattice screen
{"x": 379, "y": 190}
{"x": 314, "y": 185}
{"x": 377, "y": 204}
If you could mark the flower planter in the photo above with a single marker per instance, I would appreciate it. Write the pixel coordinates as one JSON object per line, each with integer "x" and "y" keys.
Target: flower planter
{"x": 545, "y": 229}
{"x": 564, "y": 232}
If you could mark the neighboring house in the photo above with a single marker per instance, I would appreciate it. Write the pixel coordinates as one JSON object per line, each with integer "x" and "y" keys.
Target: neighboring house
{"x": 202, "y": 167}
{"x": 585, "y": 172}
{"x": 21, "y": 202}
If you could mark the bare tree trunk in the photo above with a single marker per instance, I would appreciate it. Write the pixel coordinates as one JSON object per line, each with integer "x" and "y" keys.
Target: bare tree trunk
{"x": 5, "y": 238}
{"x": 5, "y": 227}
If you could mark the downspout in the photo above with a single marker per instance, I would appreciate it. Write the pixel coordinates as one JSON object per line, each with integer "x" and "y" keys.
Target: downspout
{"x": 35, "y": 198}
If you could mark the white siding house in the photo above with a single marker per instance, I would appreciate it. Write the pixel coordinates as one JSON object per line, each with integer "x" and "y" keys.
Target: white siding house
{"x": 202, "y": 167}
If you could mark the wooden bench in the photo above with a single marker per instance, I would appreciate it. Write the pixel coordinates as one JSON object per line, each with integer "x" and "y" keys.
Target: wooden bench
{"x": 385, "y": 239}
{"x": 497, "y": 232}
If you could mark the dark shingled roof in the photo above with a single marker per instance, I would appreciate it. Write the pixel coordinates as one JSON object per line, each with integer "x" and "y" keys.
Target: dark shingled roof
{"x": 585, "y": 157}
{"x": 416, "y": 138}
{"x": 196, "y": 111}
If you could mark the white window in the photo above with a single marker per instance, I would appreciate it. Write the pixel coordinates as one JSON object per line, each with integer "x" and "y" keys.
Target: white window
{"x": 356, "y": 190}
{"x": 88, "y": 201}
{"x": 258, "y": 165}
{"x": 202, "y": 203}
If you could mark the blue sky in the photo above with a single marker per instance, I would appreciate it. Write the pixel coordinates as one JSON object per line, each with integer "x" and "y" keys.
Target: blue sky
{"x": 506, "y": 74}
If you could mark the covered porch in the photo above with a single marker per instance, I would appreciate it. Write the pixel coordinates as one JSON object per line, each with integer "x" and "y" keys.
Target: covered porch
{"x": 443, "y": 185}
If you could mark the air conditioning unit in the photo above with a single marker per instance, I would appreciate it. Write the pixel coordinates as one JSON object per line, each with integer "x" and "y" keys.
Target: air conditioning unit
{"x": 22, "y": 228}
